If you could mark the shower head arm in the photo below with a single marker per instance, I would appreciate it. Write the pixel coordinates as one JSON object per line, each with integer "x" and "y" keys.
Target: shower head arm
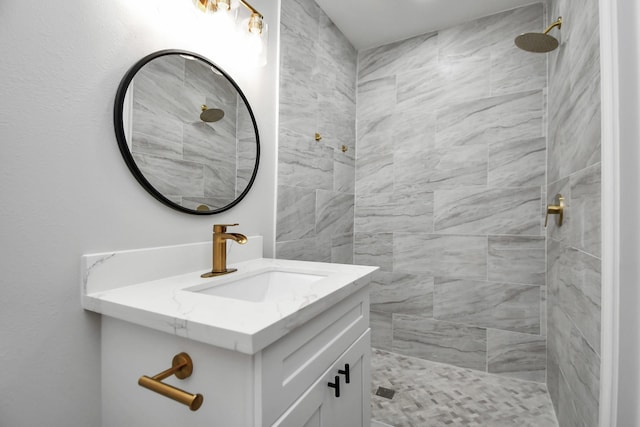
{"x": 557, "y": 23}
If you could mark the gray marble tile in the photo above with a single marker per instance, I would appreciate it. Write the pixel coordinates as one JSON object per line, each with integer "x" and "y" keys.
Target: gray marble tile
{"x": 517, "y": 355}
{"x": 413, "y": 130}
{"x": 246, "y": 163}
{"x": 402, "y": 293}
{"x": 303, "y": 163}
{"x": 437, "y": 255}
{"x": 489, "y": 34}
{"x": 157, "y": 146}
{"x": 215, "y": 87}
{"x": 296, "y": 213}
{"x": 172, "y": 177}
{"x": 156, "y": 134}
{"x": 507, "y": 117}
{"x": 374, "y": 174}
{"x": 336, "y": 120}
{"x": 577, "y": 282}
{"x": 575, "y": 384}
{"x": 159, "y": 88}
{"x": 441, "y": 168}
{"x": 334, "y": 213}
{"x": 567, "y": 415}
{"x": 393, "y": 212}
{"x": 299, "y": 109}
{"x": 517, "y": 259}
{"x": 492, "y": 211}
{"x": 376, "y": 98}
{"x": 375, "y": 136}
{"x": 430, "y": 394}
{"x": 391, "y": 59}
{"x": 374, "y": 249}
{"x": 301, "y": 16}
{"x": 303, "y": 250}
{"x": 444, "y": 82}
{"x": 337, "y": 57}
{"x": 342, "y": 248}
{"x": 580, "y": 124}
{"x": 381, "y": 330}
{"x": 519, "y": 163}
{"x": 445, "y": 342}
{"x": 219, "y": 180}
{"x": 514, "y": 70}
{"x": 581, "y": 368}
{"x": 344, "y": 174}
{"x": 585, "y": 209}
{"x": 487, "y": 304}
{"x": 209, "y": 144}
{"x": 543, "y": 311}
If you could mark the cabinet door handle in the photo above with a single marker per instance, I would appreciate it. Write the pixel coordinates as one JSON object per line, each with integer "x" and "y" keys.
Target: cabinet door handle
{"x": 346, "y": 372}
{"x": 335, "y": 385}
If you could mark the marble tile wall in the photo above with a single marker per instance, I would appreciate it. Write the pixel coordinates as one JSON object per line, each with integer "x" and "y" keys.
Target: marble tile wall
{"x": 316, "y": 179}
{"x": 189, "y": 161}
{"x": 573, "y": 250}
{"x": 449, "y": 182}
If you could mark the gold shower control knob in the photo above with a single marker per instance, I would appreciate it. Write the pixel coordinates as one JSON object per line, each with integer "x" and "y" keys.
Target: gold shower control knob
{"x": 557, "y": 209}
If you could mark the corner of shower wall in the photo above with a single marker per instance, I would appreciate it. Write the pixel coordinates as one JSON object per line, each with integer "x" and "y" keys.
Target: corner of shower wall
{"x": 573, "y": 250}
{"x": 316, "y": 179}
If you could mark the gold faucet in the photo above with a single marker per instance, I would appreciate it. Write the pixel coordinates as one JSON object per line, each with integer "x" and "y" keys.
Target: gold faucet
{"x": 220, "y": 237}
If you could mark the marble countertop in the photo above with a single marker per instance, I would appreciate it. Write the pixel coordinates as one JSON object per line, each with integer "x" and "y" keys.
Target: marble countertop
{"x": 166, "y": 305}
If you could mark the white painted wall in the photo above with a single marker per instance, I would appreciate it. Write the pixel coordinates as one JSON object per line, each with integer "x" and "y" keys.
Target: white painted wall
{"x": 65, "y": 189}
{"x": 629, "y": 316}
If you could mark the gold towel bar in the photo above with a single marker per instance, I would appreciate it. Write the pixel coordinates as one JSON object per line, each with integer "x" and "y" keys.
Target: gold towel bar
{"x": 182, "y": 367}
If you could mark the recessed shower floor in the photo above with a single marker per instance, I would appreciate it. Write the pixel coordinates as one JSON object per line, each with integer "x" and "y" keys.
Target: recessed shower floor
{"x": 429, "y": 394}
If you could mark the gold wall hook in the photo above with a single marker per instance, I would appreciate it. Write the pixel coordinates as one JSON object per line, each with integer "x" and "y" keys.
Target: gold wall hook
{"x": 344, "y": 148}
{"x": 318, "y": 137}
{"x": 182, "y": 367}
{"x": 557, "y": 209}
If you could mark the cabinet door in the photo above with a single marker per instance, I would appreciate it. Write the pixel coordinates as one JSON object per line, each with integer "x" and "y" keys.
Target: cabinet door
{"x": 319, "y": 407}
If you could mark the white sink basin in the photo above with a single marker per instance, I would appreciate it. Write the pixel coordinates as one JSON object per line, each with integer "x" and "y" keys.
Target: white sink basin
{"x": 266, "y": 286}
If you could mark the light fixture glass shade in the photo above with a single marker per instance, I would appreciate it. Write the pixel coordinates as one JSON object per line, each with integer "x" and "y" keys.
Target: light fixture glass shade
{"x": 254, "y": 44}
{"x": 255, "y": 24}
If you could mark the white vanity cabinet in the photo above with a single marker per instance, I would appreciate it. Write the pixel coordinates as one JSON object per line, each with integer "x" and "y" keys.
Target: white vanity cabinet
{"x": 320, "y": 407}
{"x": 284, "y": 384}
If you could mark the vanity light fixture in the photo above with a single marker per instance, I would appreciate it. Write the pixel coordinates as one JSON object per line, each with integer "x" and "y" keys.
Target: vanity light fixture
{"x": 255, "y": 25}
{"x": 252, "y": 34}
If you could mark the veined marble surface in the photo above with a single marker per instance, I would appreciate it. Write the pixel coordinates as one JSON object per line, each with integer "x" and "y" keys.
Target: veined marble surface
{"x": 128, "y": 286}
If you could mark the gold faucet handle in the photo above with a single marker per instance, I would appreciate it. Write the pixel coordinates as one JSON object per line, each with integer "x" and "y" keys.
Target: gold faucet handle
{"x": 222, "y": 228}
{"x": 557, "y": 209}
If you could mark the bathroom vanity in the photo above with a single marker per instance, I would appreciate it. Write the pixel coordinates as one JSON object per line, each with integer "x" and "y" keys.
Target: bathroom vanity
{"x": 277, "y": 343}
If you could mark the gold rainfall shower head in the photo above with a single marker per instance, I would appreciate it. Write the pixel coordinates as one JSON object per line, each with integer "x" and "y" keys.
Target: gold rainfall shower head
{"x": 539, "y": 42}
{"x": 211, "y": 115}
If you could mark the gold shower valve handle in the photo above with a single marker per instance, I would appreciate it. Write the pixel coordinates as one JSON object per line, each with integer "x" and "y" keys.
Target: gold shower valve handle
{"x": 182, "y": 367}
{"x": 557, "y": 209}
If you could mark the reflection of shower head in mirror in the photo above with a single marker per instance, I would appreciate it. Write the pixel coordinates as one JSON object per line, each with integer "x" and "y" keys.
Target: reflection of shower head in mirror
{"x": 211, "y": 115}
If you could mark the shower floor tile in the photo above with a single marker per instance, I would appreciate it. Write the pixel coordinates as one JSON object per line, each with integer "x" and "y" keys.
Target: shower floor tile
{"x": 429, "y": 394}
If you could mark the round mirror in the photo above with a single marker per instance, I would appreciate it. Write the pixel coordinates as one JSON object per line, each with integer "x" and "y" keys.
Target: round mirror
{"x": 187, "y": 132}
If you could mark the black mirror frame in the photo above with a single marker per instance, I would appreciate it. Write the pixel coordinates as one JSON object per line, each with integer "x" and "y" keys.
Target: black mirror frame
{"x": 124, "y": 147}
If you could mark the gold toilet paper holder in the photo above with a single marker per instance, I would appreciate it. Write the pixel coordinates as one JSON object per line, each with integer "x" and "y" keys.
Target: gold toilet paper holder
{"x": 181, "y": 367}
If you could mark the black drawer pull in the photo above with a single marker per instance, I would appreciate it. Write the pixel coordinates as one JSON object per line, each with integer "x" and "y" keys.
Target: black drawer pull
{"x": 336, "y": 385}
{"x": 346, "y": 373}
